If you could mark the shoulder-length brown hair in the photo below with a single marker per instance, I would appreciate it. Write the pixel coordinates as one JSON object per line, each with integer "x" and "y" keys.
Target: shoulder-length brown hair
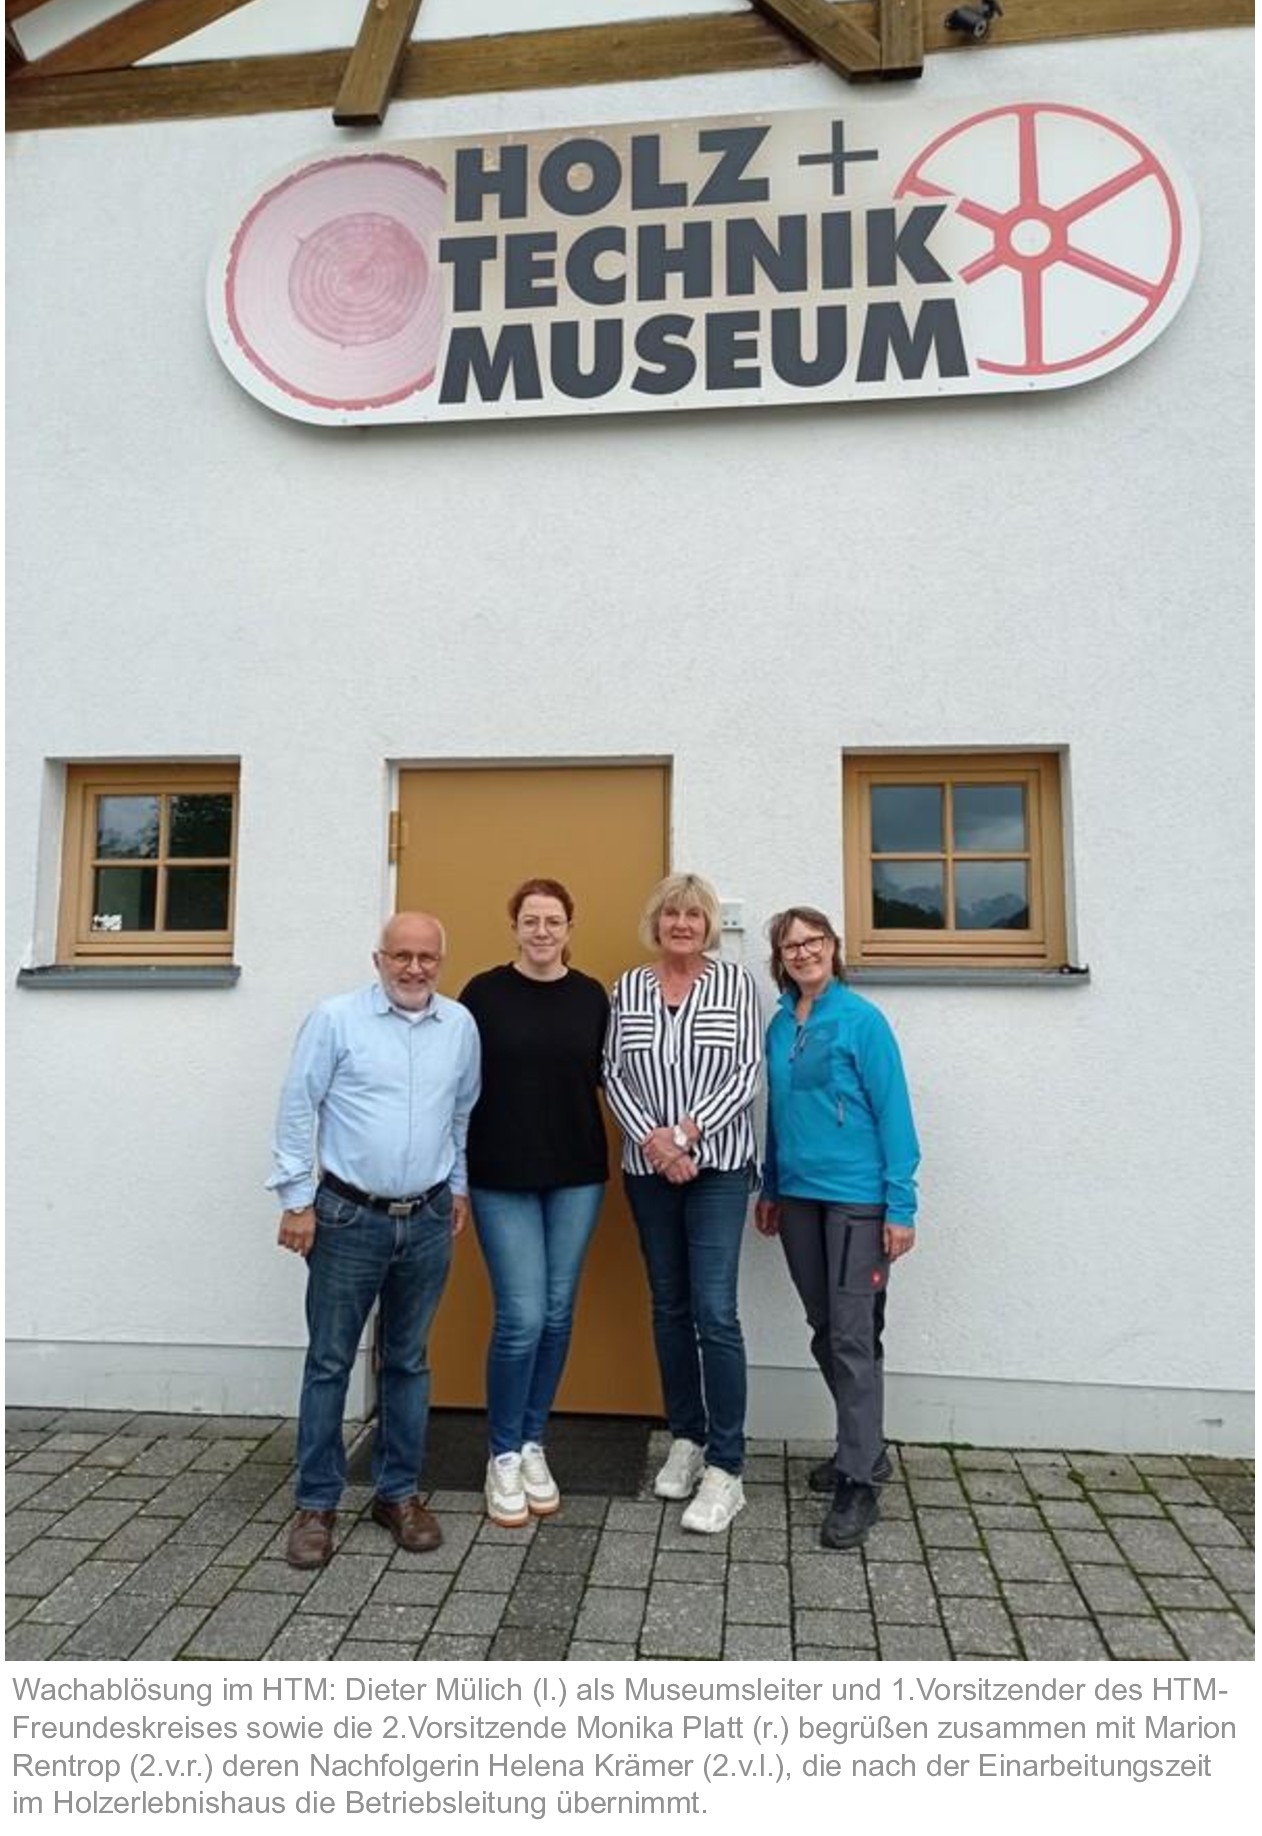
{"x": 779, "y": 924}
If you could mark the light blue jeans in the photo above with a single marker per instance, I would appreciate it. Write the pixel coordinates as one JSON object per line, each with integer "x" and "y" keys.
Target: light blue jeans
{"x": 534, "y": 1244}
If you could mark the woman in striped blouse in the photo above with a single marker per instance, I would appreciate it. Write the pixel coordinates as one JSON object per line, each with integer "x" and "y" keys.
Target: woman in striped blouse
{"x": 681, "y": 1067}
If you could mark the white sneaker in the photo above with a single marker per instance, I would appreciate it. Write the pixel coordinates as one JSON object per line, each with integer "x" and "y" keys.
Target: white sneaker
{"x": 505, "y": 1491}
{"x": 720, "y": 1496}
{"x": 685, "y": 1464}
{"x": 543, "y": 1495}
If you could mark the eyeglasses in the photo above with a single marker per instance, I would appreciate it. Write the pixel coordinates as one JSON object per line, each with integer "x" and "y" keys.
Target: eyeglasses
{"x": 805, "y": 946}
{"x": 403, "y": 959}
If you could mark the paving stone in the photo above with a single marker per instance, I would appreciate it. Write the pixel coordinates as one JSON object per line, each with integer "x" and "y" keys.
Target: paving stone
{"x": 1060, "y": 1640}
{"x": 73, "y": 1443}
{"x": 757, "y": 1594}
{"x": 901, "y": 1594}
{"x": 985, "y": 1460}
{"x": 1070, "y": 1514}
{"x": 890, "y": 1542}
{"x": 1044, "y": 1600}
{"x": 1214, "y": 1636}
{"x": 16, "y": 1607}
{"x": 211, "y": 1586}
{"x": 962, "y": 1571}
{"x": 544, "y": 1600}
{"x": 490, "y": 1570}
{"x": 1245, "y": 1605}
{"x": 757, "y": 1644}
{"x": 23, "y": 1527}
{"x": 118, "y": 1451}
{"x": 18, "y": 1487}
{"x": 393, "y": 1624}
{"x": 217, "y": 1521}
{"x": 411, "y": 1586}
{"x": 67, "y": 1490}
{"x": 1111, "y": 1590}
{"x": 1158, "y": 1463}
{"x": 1094, "y": 1546}
{"x": 683, "y": 1621}
{"x": 445, "y": 1649}
{"x": 589, "y": 1651}
{"x": 458, "y": 1536}
{"x": 764, "y": 1469}
{"x": 116, "y": 1628}
{"x": 581, "y": 1508}
{"x": 129, "y": 1485}
{"x": 359, "y": 1651}
{"x": 28, "y": 1642}
{"x": 1019, "y": 1555}
{"x": 979, "y": 1628}
{"x": 825, "y": 1654}
{"x": 1186, "y": 1591}
{"x": 273, "y": 1577}
{"x": 765, "y": 1508}
{"x": 97, "y": 1518}
{"x": 623, "y": 1559}
{"x": 181, "y": 1496}
{"x": 927, "y": 1462}
{"x": 528, "y": 1645}
{"x": 896, "y": 1503}
{"x": 1137, "y": 1638}
{"x": 611, "y": 1614}
{"x": 1112, "y": 1505}
{"x": 166, "y": 1457}
{"x": 1106, "y": 1472}
{"x": 1233, "y": 1567}
{"x": 305, "y": 1639}
{"x": 457, "y": 1504}
{"x": 701, "y": 1566}
{"x": 1007, "y": 1517}
{"x": 81, "y": 1593}
{"x": 997, "y": 1488}
{"x": 242, "y": 1626}
{"x": 221, "y": 1456}
{"x": 936, "y": 1494}
{"x": 912, "y": 1644}
{"x": 249, "y": 1542}
{"x": 829, "y": 1578}
{"x": 948, "y": 1530}
{"x": 641, "y": 1516}
{"x": 1179, "y": 1490}
{"x": 43, "y": 1565}
{"x": 169, "y": 1570}
{"x": 170, "y": 1635}
{"x": 19, "y": 1417}
{"x": 43, "y": 1461}
{"x": 563, "y": 1551}
{"x": 1203, "y": 1526}
{"x": 470, "y": 1614}
{"x": 815, "y": 1626}
{"x": 136, "y": 1539}
{"x": 517, "y": 1536}
{"x": 344, "y": 1585}
{"x": 752, "y": 1543}
{"x": 1156, "y": 1548}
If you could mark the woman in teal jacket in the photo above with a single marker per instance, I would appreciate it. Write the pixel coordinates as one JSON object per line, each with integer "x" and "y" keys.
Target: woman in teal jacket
{"x": 839, "y": 1190}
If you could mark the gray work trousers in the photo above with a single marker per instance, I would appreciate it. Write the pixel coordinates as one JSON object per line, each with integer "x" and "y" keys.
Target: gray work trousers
{"x": 836, "y": 1257}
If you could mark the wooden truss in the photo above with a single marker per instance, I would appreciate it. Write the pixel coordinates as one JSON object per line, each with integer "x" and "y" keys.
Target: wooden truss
{"x": 97, "y": 78}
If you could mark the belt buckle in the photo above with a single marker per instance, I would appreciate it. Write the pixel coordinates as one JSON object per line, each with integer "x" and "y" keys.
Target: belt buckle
{"x": 400, "y": 1208}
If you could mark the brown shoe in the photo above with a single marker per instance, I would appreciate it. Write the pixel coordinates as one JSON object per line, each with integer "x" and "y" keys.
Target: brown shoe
{"x": 310, "y": 1539}
{"x": 409, "y": 1523}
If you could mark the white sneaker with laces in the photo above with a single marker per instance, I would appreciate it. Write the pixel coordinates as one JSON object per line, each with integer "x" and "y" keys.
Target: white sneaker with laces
{"x": 506, "y": 1492}
{"x": 543, "y": 1495}
{"x": 719, "y": 1497}
{"x": 685, "y": 1464}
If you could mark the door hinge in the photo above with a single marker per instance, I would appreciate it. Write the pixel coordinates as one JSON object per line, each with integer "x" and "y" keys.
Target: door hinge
{"x": 398, "y": 836}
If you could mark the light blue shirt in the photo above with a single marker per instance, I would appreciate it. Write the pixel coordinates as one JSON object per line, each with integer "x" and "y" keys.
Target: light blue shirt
{"x": 378, "y": 1098}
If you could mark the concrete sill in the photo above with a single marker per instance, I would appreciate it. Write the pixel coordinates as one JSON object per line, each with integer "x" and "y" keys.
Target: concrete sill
{"x": 131, "y": 975}
{"x": 946, "y": 977}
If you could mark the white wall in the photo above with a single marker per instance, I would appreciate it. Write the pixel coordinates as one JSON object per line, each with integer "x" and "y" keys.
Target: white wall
{"x": 747, "y": 592}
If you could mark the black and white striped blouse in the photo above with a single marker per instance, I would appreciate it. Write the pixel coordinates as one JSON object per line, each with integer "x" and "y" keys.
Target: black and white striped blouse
{"x": 701, "y": 1061}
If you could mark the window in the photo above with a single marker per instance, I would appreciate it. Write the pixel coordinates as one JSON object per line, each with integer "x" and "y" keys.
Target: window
{"x": 148, "y": 864}
{"x": 954, "y": 859}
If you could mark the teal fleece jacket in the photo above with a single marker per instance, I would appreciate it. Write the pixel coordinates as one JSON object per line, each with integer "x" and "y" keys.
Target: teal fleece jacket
{"x": 839, "y": 1123}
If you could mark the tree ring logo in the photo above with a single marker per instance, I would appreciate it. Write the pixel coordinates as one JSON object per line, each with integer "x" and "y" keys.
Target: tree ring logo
{"x": 1061, "y": 185}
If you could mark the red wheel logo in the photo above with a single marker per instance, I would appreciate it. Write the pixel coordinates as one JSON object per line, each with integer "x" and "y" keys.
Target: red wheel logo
{"x": 1062, "y": 186}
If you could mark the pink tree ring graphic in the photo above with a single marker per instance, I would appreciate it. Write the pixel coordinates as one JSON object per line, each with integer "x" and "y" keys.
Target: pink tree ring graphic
{"x": 332, "y": 289}
{"x": 1046, "y": 188}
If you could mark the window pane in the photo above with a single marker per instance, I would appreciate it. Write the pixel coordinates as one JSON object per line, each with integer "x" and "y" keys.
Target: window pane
{"x": 127, "y": 827}
{"x": 197, "y": 899}
{"x": 908, "y": 895}
{"x": 201, "y": 825}
{"x": 989, "y": 817}
{"x": 991, "y": 896}
{"x": 906, "y": 818}
{"x": 126, "y": 898}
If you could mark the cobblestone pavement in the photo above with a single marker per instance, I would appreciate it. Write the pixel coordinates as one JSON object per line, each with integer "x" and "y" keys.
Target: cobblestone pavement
{"x": 161, "y": 1536}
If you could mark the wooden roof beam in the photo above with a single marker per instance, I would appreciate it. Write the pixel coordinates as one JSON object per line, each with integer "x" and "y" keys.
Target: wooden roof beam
{"x": 902, "y": 29}
{"x": 836, "y": 40}
{"x": 117, "y": 43}
{"x": 375, "y": 62}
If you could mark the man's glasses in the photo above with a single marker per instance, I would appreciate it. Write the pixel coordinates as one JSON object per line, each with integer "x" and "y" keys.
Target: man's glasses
{"x": 403, "y": 959}
{"x": 805, "y": 946}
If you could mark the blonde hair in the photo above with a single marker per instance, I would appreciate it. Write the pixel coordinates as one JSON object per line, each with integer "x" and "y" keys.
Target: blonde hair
{"x": 680, "y": 890}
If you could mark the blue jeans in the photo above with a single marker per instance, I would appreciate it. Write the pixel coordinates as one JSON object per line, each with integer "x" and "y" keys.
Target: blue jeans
{"x": 691, "y": 1239}
{"x": 360, "y": 1256}
{"x": 534, "y": 1244}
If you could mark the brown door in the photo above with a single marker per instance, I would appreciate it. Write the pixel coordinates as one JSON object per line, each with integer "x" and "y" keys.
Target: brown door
{"x": 467, "y": 836}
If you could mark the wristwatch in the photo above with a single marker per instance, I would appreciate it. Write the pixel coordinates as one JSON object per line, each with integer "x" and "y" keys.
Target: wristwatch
{"x": 680, "y": 1140}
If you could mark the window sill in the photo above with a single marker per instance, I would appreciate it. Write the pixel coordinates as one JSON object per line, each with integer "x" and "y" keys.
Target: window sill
{"x": 948, "y": 975}
{"x": 131, "y": 975}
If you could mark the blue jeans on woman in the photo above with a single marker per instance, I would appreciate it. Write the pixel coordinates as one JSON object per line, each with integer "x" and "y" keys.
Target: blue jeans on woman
{"x": 534, "y": 1244}
{"x": 691, "y": 1238}
{"x": 360, "y": 1255}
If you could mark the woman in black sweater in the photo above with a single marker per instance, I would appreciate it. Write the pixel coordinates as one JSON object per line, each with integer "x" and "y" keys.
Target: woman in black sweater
{"x": 537, "y": 1172}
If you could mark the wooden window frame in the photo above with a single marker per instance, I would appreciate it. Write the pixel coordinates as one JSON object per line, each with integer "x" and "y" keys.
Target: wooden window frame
{"x": 77, "y": 942}
{"x": 1041, "y": 946}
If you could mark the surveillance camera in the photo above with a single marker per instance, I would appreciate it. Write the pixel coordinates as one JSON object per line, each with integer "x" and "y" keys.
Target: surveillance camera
{"x": 974, "y": 21}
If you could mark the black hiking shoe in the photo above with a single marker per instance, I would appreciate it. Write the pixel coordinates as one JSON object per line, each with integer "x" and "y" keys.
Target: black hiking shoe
{"x": 853, "y": 1512}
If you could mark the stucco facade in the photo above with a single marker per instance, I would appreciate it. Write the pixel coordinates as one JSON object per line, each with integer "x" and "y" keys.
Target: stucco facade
{"x": 749, "y": 594}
